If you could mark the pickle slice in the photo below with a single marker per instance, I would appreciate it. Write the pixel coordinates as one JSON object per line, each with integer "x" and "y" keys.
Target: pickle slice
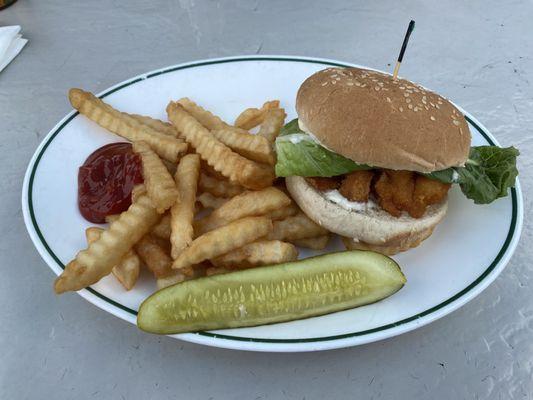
{"x": 265, "y": 295}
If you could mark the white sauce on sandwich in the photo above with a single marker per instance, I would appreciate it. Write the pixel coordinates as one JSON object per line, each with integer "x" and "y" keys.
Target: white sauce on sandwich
{"x": 455, "y": 177}
{"x": 296, "y": 138}
{"x": 336, "y": 197}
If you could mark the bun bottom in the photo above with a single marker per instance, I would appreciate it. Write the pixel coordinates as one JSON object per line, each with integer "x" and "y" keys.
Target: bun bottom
{"x": 371, "y": 229}
{"x": 408, "y": 242}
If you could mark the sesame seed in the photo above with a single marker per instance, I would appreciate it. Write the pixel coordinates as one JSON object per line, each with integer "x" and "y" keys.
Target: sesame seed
{"x": 456, "y": 123}
{"x": 389, "y": 100}
{"x": 436, "y": 105}
{"x": 402, "y": 87}
{"x": 432, "y": 118}
{"x": 376, "y": 88}
{"x": 333, "y": 82}
{"x": 432, "y": 105}
{"x": 357, "y": 84}
{"x": 415, "y": 109}
{"x": 426, "y": 107}
{"x": 324, "y": 84}
{"x": 401, "y": 109}
{"x": 407, "y": 100}
{"x": 349, "y": 83}
{"x": 410, "y": 106}
{"x": 406, "y": 95}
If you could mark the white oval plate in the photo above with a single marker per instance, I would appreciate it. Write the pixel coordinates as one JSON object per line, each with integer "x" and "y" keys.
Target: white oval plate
{"x": 465, "y": 254}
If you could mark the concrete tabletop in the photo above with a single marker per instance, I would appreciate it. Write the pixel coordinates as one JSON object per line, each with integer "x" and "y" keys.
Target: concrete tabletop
{"x": 478, "y": 53}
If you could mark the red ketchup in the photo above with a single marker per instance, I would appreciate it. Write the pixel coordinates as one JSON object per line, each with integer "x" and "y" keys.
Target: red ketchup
{"x": 106, "y": 179}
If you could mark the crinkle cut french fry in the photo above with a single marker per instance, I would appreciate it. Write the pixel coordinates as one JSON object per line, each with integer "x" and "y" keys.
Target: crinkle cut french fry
{"x": 210, "y": 171}
{"x": 162, "y": 228}
{"x": 248, "y": 204}
{"x": 154, "y": 256}
{"x": 269, "y": 105}
{"x": 295, "y": 227}
{"x": 216, "y": 271}
{"x": 160, "y": 185}
{"x": 263, "y": 252}
{"x": 170, "y": 280}
{"x": 205, "y": 117}
{"x": 273, "y": 120}
{"x": 239, "y": 140}
{"x": 247, "y": 173}
{"x": 112, "y": 217}
{"x": 138, "y": 191}
{"x": 163, "y": 243}
{"x": 207, "y": 200}
{"x": 128, "y": 269}
{"x": 253, "y": 147}
{"x": 218, "y": 187}
{"x": 177, "y": 276}
{"x": 251, "y": 117}
{"x": 161, "y": 126}
{"x": 182, "y": 213}
{"x": 314, "y": 243}
{"x": 283, "y": 212}
{"x": 122, "y": 124}
{"x": 100, "y": 257}
{"x": 223, "y": 240}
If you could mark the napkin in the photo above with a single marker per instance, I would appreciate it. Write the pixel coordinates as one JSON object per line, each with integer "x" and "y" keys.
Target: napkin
{"x": 11, "y": 43}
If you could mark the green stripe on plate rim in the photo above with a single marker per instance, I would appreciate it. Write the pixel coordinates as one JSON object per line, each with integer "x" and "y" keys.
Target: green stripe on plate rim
{"x": 263, "y": 340}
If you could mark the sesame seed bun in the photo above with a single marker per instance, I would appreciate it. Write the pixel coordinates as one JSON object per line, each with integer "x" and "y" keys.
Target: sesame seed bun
{"x": 372, "y": 119}
{"x": 371, "y": 229}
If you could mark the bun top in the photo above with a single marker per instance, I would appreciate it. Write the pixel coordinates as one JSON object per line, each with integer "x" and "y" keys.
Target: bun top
{"x": 370, "y": 118}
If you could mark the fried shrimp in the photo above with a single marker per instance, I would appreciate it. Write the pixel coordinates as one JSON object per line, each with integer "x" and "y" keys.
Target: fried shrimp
{"x": 399, "y": 191}
{"x": 356, "y": 185}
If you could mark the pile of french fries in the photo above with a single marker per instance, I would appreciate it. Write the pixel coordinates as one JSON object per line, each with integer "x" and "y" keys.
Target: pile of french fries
{"x": 209, "y": 204}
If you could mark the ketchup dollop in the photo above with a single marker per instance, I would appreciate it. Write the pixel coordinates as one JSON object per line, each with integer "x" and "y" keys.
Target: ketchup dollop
{"x": 106, "y": 179}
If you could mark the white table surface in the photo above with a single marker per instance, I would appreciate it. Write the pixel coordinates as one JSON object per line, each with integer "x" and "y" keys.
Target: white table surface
{"x": 478, "y": 53}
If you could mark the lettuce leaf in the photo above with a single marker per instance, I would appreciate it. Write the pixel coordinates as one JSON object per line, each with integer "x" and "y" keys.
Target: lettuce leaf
{"x": 487, "y": 175}
{"x": 298, "y": 154}
{"x": 444, "y": 175}
{"x": 290, "y": 128}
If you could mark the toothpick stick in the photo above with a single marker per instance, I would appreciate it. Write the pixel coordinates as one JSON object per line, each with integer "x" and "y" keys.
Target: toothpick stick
{"x": 410, "y": 29}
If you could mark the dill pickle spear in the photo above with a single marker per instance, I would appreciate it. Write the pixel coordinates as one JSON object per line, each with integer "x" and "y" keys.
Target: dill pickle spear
{"x": 265, "y": 295}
